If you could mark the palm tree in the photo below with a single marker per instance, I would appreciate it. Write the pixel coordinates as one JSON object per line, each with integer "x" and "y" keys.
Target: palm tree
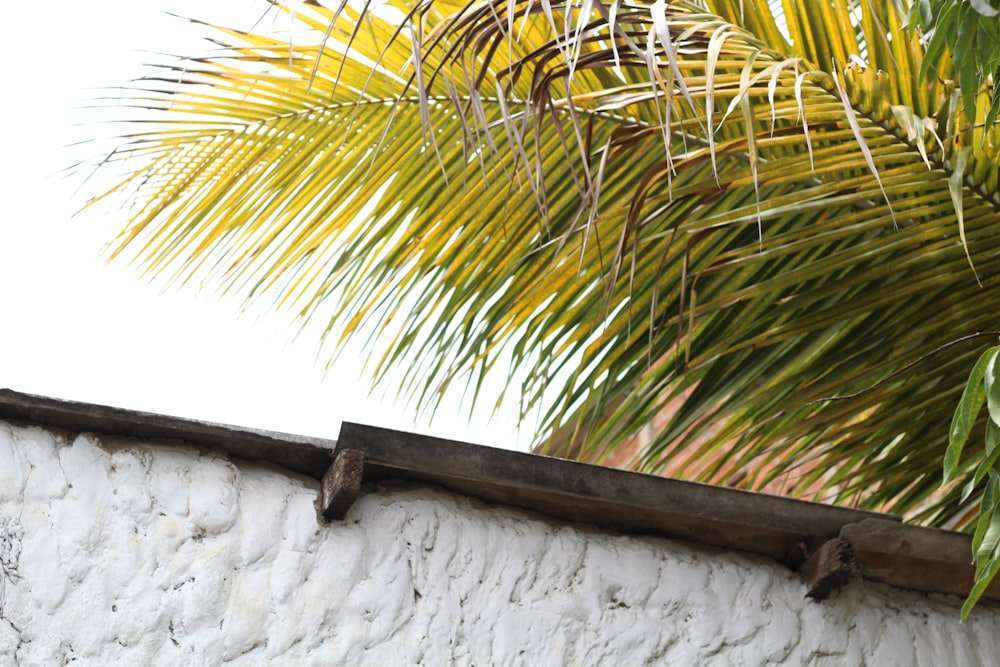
{"x": 754, "y": 212}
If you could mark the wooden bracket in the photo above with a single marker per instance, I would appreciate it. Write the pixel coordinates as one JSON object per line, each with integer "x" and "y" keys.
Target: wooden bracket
{"x": 341, "y": 484}
{"x": 829, "y": 568}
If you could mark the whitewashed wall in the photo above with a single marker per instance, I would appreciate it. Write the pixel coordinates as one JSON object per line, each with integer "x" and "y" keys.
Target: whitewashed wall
{"x": 138, "y": 554}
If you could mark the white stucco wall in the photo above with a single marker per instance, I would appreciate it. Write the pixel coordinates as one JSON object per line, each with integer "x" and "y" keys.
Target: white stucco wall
{"x": 135, "y": 554}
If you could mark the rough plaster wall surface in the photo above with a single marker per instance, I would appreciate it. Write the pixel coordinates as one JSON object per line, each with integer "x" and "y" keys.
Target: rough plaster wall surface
{"x": 127, "y": 553}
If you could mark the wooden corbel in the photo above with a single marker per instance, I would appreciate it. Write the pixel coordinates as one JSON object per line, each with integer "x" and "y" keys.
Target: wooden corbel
{"x": 341, "y": 484}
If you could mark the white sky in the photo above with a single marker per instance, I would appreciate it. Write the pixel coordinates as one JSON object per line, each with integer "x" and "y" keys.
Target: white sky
{"x": 72, "y": 327}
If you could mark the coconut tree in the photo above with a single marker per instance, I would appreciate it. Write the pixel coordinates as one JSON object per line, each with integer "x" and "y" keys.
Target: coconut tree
{"x": 758, "y": 213}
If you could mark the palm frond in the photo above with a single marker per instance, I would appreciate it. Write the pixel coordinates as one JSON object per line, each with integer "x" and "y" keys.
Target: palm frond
{"x": 759, "y": 213}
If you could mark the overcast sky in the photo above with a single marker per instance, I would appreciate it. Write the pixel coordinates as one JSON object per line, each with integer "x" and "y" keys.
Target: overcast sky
{"x": 73, "y": 327}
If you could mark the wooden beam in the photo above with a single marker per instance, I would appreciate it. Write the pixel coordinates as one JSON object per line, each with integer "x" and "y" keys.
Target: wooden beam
{"x": 341, "y": 485}
{"x": 830, "y": 567}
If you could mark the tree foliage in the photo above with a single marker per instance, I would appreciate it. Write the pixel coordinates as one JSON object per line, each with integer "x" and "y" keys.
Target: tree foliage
{"x": 757, "y": 209}
{"x": 969, "y": 32}
{"x": 983, "y": 387}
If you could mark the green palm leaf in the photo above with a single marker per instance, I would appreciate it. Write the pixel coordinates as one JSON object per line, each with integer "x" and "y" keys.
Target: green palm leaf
{"x": 753, "y": 211}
